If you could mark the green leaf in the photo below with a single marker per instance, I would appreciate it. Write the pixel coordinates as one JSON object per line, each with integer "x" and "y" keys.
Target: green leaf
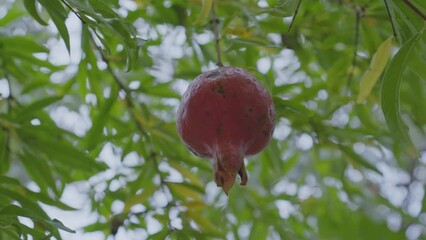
{"x": 357, "y": 160}
{"x": 8, "y": 180}
{"x": 205, "y": 11}
{"x": 288, "y": 107}
{"x": 139, "y": 198}
{"x": 31, "y": 7}
{"x": 18, "y": 211}
{"x": 58, "y": 224}
{"x": 186, "y": 190}
{"x": 377, "y": 65}
{"x": 95, "y": 134}
{"x": 61, "y": 152}
{"x": 20, "y": 195}
{"x": 40, "y": 171}
{"x": 27, "y": 113}
{"x": 4, "y": 152}
{"x": 390, "y": 94}
{"x": 22, "y": 43}
{"x": 59, "y": 15}
{"x": 36, "y": 233}
{"x": 9, "y": 232}
{"x": 13, "y": 14}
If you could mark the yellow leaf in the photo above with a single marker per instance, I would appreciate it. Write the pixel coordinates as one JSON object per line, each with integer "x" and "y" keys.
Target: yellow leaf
{"x": 205, "y": 11}
{"x": 377, "y": 65}
{"x": 184, "y": 190}
{"x": 240, "y": 32}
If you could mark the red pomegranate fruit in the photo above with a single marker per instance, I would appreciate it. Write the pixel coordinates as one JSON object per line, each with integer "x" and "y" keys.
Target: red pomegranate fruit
{"x": 225, "y": 115}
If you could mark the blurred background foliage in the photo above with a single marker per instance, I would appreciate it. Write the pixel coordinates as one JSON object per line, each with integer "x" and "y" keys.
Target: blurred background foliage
{"x": 89, "y": 91}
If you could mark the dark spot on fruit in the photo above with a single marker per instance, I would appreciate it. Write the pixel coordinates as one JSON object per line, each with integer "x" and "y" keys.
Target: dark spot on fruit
{"x": 271, "y": 113}
{"x": 207, "y": 114}
{"x": 246, "y": 115}
{"x": 220, "y": 89}
{"x": 261, "y": 120}
{"x": 265, "y": 133}
{"x": 250, "y": 109}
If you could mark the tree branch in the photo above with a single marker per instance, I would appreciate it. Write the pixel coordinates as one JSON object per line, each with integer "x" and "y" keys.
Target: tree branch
{"x": 294, "y": 15}
{"x": 391, "y": 20}
{"x": 359, "y": 12}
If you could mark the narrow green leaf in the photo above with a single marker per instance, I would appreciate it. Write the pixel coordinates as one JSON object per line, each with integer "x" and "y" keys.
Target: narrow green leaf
{"x": 19, "y": 195}
{"x": 290, "y": 163}
{"x": 160, "y": 90}
{"x": 8, "y": 180}
{"x": 42, "y": 197}
{"x": 23, "y": 43}
{"x": 61, "y": 152}
{"x": 160, "y": 235}
{"x": 18, "y": 211}
{"x": 26, "y": 56}
{"x": 139, "y": 198}
{"x": 24, "y": 194}
{"x": 390, "y": 94}
{"x": 58, "y": 224}
{"x": 95, "y": 133}
{"x": 59, "y": 15}
{"x": 284, "y": 106}
{"x": 31, "y": 7}
{"x": 186, "y": 190}
{"x": 97, "y": 226}
{"x": 254, "y": 41}
{"x": 377, "y": 65}
{"x": 205, "y": 11}
{"x": 36, "y": 233}
{"x": 9, "y": 232}
{"x": 357, "y": 159}
{"x": 4, "y": 152}
{"x": 26, "y": 113}
{"x": 13, "y": 14}
{"x": 40, "y": 171}
{"x": 102, "y": 8}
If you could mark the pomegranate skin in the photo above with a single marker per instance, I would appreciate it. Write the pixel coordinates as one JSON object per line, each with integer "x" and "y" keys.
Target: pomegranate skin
{"x": 225, "y": 115}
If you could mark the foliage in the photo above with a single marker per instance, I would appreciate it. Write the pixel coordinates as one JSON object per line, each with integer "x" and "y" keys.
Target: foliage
{"x": 79, "y": 78}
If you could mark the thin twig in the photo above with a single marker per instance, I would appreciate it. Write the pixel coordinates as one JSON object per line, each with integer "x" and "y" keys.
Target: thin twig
{"x": 391, "y": 20}
{"x": 73, "y": 10}
{"x": 215, "y": 27}
{"x": 119, "y": 82}
{"x": 294, "y": 15}
{"x": 415, "y": 9}
{"x": 359, "y": 11}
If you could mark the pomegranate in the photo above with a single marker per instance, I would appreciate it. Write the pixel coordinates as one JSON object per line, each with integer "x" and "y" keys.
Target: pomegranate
{"x": 225, "y": 115}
